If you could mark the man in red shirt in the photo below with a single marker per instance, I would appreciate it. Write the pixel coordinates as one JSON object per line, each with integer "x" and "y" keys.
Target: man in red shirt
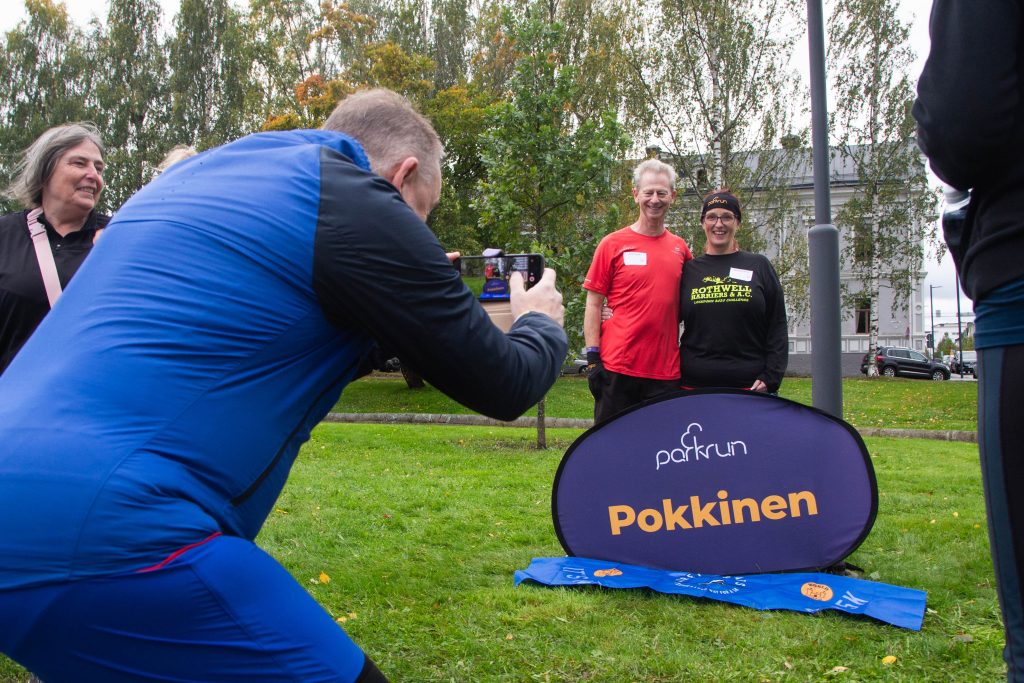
{"x": 634, "y": 355}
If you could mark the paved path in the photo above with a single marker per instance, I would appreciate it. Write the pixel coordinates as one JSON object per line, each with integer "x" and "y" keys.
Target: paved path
{"x": 576, "y": 423}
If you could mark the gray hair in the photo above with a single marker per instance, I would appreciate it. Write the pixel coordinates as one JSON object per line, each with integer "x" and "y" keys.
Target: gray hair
{"x": 40, "y": 159}
{"x": 654, "y": 166}
{"x": 177, "y": 153}
{"x": 389, "y": 129}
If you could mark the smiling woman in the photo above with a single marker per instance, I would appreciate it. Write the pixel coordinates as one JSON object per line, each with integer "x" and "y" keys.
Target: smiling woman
{"x": 732, "y": 308}
{"x": 58, "y": 181}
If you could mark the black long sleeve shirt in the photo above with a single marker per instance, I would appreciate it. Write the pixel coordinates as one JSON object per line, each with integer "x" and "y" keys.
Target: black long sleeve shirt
{"x": 23, "y": 302}
{"x": 734, "y": 318}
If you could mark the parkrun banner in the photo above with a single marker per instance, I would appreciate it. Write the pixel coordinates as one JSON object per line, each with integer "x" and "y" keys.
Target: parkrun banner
{"x": 717, "y": 482}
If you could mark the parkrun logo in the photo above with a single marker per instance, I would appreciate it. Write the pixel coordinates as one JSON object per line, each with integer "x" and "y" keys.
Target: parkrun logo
{"x": 737, "y": 511}
{"x": 692, "y": 448}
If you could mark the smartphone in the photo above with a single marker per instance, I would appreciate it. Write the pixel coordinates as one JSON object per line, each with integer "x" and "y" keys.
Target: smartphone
{"x": 487, "y": 276}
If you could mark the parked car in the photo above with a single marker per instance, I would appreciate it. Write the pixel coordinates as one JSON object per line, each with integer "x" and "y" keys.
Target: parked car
{"x": 894, "y": 361}
{"x": 969, "y": 366}
{"x": 575, "y": 366}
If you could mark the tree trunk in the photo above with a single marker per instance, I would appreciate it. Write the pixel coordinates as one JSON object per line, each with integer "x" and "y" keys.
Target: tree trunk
{"x": 874, "y": 292}
{"x": 542, "y": 440}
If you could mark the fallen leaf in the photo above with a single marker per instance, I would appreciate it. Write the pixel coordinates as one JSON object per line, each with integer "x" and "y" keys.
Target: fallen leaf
{"x": 889, "y": 659}
{"x": 788, "y": 664}
{"x": 508, "y": 637}
{"x": 839, "y": 669}
{"x": 324, "y": 578}
{"x": 956, "y": 514}
{"x": 963, "y": 638}
{"x": 352, "y": 615}
{"x": 341, "y": 620}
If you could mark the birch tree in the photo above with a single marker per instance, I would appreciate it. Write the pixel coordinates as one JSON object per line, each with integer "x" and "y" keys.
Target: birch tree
{"x": 887, "y": 223}
{"x": 720, "y": 101}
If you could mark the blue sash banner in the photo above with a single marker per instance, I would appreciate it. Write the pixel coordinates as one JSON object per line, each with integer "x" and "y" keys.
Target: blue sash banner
{"x": 717, "y": 482}
{"x": 903, "y": 607}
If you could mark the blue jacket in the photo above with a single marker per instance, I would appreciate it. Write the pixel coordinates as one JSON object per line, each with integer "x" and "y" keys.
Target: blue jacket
{"x": 216, "y": 322}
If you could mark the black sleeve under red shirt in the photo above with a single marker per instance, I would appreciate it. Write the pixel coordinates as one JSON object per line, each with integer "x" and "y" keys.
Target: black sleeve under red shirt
{"x": 734, "y": 318}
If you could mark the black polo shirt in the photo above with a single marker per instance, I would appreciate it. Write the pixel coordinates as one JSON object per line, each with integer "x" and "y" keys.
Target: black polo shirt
{"x": 23, "y": 302}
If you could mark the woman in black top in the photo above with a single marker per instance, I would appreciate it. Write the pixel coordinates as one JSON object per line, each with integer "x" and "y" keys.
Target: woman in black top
{"x": 732, "y": 309}
{"x": 61, "y": 173}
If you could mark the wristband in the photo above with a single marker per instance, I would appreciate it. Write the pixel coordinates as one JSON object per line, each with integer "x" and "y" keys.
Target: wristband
{"x": 592, "y": 349}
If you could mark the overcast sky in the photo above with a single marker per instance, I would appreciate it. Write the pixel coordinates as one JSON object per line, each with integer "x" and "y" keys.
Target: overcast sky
{"x": 941, "y": 275}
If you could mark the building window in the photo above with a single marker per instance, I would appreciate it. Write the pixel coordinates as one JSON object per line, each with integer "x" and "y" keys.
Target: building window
{"x": 863, "y": 315}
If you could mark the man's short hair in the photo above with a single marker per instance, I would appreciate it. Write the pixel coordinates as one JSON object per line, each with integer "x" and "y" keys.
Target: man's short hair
{"x": 389, "y": 128}
{"x": 654, "y": 166}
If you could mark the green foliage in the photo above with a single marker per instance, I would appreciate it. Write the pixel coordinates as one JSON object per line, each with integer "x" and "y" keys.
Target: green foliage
{"x": 47, "y": 71}
{"x": 548, "y": 168}
{"x": 133, "y": 110}
{"x": 211, "y": 83}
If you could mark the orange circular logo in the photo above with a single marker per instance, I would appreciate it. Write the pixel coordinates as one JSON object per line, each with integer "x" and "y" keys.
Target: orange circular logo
{"x": 608, "y": 572}
{"x": 817, "y": 591}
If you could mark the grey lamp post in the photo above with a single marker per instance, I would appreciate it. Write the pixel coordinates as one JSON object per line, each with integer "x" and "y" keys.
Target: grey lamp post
{"x": 931, "y": 305}
{"x": 823, "y": 238}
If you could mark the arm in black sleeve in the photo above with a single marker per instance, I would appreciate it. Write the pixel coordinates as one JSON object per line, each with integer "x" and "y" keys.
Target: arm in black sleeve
{"x": 777, "y": 338}
{"x": 970, "y": 89}
{"x": 378, "y": 268}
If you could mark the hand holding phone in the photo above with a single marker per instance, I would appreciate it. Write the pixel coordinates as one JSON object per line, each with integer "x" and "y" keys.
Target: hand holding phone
{"x": 541, "y": 298}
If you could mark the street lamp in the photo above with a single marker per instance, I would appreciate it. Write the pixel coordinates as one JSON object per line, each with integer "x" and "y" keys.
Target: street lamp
{"x": 931, "y": 305}
{"x": 959, "y": 330}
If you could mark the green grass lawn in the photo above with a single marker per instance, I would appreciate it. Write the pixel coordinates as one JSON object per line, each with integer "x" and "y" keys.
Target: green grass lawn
{"x": 420, "y": 529}
{"x": 882, "y": 402}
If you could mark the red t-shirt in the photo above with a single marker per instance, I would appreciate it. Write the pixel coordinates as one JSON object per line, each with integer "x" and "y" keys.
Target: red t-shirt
{"x": 639, "y": 275}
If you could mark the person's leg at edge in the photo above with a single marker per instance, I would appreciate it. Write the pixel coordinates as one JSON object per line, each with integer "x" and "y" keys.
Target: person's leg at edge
{"x": 224, "y": 611}
{"x": 1001, "y": 448}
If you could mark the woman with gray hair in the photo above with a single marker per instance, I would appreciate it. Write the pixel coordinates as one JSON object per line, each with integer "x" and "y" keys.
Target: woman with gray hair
{"x": 58, "y": 181}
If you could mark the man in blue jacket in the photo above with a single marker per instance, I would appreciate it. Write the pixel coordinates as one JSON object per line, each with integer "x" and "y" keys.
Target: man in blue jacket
{"x": 149, "y": 425}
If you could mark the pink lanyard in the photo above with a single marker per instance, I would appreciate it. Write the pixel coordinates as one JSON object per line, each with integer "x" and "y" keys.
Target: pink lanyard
{"x": 44, "y": 255}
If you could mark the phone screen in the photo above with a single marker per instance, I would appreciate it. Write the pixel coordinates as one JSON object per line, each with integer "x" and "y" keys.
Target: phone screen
{"x": 487, "y": 276}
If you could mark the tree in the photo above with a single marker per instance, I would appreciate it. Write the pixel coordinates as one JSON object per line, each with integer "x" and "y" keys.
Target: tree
{"x": 213, "y": 99}
{"x": 887, "y": 220}
{"x": 47, "y": 71}
{"x": 715, "y": 79}
{"x": 132, "y": 97}
{"x": 546, "y": 166}
{"x": 283, "y": 49}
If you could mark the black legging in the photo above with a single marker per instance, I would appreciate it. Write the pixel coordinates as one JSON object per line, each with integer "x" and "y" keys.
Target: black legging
{"x": 1001, "y": 444}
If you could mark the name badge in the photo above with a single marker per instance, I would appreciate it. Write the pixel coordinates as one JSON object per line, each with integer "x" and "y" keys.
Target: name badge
{"x": 741, "y": 274}
{"x": 634, "y": 258}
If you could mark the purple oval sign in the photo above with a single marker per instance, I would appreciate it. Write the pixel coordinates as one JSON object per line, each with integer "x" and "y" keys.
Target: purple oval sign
{"x": 722, "y": 482}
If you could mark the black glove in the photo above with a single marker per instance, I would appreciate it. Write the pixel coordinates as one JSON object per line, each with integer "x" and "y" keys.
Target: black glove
{"x": 593, "y": 361}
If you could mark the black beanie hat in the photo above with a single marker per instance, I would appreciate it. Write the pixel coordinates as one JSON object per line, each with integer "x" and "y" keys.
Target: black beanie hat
{"x": 722, "y": 200}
